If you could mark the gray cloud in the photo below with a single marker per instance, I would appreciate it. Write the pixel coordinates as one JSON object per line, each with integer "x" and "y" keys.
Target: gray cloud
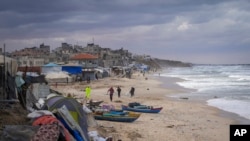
{"x": 184, "y": 30}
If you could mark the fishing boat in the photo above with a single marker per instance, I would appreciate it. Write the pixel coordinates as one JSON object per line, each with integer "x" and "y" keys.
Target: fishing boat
{"x": 136, "y": 107}
{"x": 117, "y": 116}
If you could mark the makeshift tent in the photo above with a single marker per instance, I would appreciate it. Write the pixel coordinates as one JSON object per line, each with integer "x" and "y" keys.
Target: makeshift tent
{"x": 74, "y": 108}
{"x": 51, "y": 67}
{"x": 88, "y": 73}
{"x": 58, "y": 77}
{"x": 72, "y": 69}
{"x": 10, "y": 65}
{"x": 35, "y": 92}
{"x": 102, "y": 72}
{"x": 144, "y": 67}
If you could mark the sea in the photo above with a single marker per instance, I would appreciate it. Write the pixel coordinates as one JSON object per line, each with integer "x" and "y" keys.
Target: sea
{"x": 226, "y": 87}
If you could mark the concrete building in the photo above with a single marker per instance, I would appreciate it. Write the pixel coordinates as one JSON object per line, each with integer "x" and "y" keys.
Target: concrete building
{"x": 30, "y": 61}
{"x": 42, "y": 51}
{"x": 85, "y": 60}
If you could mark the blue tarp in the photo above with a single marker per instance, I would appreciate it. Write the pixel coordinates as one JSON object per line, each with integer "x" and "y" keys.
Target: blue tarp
{"x": 72, "y": 69}
{"x": 51, "y": 65}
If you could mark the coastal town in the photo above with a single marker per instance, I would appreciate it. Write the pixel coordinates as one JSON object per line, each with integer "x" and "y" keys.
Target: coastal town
{"x": 81, "y": 63}
{"x": 79, "y": 92}
{"x": 38, "y": 92}
{"x": 32, "y": 77}
{"x": 96, "y": 70}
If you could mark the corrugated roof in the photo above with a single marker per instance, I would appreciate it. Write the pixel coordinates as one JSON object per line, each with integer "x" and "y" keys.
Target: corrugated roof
{"x": 83, "y": 56}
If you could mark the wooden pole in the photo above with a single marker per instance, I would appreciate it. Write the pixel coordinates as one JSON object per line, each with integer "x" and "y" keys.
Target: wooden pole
{"x": 4, "y": 74}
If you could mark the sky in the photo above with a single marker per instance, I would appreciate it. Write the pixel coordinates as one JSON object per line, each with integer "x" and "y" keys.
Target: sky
{"x": 194, "y": 31}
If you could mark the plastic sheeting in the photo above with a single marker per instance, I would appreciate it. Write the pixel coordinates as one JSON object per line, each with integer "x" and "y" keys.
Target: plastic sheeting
{"x": 18, "y": 132}
{"x": 72, "y": 69}
{"x": 46, "y": 70}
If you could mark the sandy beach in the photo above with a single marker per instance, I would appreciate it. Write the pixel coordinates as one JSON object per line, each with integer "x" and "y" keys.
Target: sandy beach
{"x": 180, "y": 120}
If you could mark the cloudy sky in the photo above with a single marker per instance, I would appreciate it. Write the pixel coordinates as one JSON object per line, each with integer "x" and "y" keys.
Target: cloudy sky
{"x": 196, "y": 31}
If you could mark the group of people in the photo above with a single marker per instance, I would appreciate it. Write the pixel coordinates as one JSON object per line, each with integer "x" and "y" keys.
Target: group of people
{"x": 111, "y": 92}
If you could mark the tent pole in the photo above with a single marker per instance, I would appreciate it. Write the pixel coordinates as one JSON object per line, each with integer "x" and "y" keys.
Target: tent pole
{"x": 4, "y": 76}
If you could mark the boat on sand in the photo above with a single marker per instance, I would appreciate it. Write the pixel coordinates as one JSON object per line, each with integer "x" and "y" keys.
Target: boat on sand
{"x": 117, "y": 116}
{"x": 137, "y": 107}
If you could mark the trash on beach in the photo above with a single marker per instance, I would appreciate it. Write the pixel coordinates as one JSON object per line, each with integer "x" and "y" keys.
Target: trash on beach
{"x": 186, "y": 98}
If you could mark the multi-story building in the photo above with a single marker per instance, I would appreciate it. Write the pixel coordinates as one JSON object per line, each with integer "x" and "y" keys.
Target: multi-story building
{"x": 33, "y": 56}
{"x": 93, "y": 49}
{"x": 42, "y": 51}
{"x": 64, "y": 53}
{"x": 30, "y": 61}
{"x": 108, "y": 57}
{"x": 118, "y": 57}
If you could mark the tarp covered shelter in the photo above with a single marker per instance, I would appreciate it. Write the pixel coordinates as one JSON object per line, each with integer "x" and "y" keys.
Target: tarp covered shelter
{"x": 58, "y": 77}
{"x": 72, "y": 69}
{"x": 144, "y": 67}
{"x": 51, "y": 67}
{"x": 74, "y": 108}
{"x": 88, "y": 73}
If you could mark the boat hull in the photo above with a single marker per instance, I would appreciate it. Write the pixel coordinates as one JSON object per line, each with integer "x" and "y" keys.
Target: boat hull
{"x": 117, "y": 116}
{"x": 146, "y": 110}
{"x": 116, "y": 119}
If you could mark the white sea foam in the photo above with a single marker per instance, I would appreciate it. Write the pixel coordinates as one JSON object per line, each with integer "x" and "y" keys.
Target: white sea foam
{"x": 218, "y": 80}
{"x": 236, "y": 106}
{"x": 240, "y": 77}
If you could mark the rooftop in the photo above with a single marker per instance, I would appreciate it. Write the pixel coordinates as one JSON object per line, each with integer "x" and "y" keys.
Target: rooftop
{"x": 83, "y": 56}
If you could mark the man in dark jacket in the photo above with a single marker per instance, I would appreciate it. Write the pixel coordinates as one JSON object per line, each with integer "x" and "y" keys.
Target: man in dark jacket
{"x": 132, "y": 91}
{"x": 111, "y": 92}
{"x": 119, "y": 91}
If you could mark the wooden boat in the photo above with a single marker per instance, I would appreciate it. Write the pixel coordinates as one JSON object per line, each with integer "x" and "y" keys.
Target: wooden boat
{"x": 117, "y": 116}
{"x": 142, "y": 109}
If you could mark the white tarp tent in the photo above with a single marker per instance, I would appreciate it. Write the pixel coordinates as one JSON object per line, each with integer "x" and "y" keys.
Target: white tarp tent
{"x": 51, "y": 67}
{"x": 58, "y": 77}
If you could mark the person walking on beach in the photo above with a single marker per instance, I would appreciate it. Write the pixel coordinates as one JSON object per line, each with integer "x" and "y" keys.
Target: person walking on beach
{"x": 132, "y": 91}
{"x": 119, "y": 91}
{"x": 87, "y": 93}
{"x": 111, "y": 92}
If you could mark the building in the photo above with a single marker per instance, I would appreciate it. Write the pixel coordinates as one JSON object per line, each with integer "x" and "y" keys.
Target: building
{"x": 87, "y": 61}
{"x": 108, "y": 57}
{"x": 62, "y": 54}
{"x": 118, "y": 57}
{"x": 30, "y": 61}
{"x": 43, "y": 51}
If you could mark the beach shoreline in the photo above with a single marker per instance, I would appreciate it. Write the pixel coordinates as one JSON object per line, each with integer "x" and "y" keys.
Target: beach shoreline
{"x": 237, "y": 119}
{"x": 180, "y": 120}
